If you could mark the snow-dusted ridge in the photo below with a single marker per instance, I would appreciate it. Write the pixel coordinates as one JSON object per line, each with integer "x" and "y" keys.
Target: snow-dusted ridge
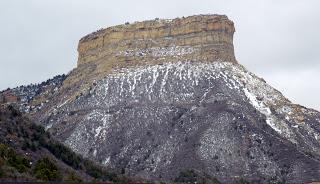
{"x": 260, "y": 94}
{"x": 136, "y": 83}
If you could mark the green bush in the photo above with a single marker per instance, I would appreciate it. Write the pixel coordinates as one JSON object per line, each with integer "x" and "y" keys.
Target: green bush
{"x": 18, "y": 162}
{"x": 9, "y": 156}
{"x": 73, "y": 178}
{"x": 99, "y": 173}
{"x": 46, "y": 170}
{"x": 188, "y": 176}
{"x": 65, "y": 154}
{"x": 14, "y": 111}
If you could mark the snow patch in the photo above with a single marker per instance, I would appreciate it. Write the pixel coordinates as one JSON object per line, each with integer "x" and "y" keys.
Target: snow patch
{"x": 48, "y": 126}
{"x": 262, "y": 108}
{"x": 174, "y": 51}
{"x": 106, "y": 161}
{"x": 64, "y": 103}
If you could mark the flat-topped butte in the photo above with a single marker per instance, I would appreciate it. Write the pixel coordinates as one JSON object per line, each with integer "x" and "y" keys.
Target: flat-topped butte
{"x": 197, "y": 38}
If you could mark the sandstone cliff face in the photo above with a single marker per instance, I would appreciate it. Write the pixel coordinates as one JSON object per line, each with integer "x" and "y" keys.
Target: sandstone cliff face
{"x": 197, "y": 38}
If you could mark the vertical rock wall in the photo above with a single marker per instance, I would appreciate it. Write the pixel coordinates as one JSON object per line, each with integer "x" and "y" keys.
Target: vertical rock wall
{"x": 195, "y": 38}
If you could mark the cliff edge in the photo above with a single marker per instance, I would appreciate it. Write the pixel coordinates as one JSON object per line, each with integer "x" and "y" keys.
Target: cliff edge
{"x": 194, "y": 38}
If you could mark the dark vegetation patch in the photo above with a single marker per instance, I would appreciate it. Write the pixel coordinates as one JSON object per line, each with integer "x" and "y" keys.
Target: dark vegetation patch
{"x": 29, "y": 153}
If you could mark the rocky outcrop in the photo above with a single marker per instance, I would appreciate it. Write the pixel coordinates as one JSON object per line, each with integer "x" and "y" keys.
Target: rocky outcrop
{"x": 197, "y": 38}
{"x": 7, "y": 97}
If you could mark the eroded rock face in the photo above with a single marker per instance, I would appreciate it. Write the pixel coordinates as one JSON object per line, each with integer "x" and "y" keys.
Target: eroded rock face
{"x": 205, "y": 38}
{"x": 199, "y": 38}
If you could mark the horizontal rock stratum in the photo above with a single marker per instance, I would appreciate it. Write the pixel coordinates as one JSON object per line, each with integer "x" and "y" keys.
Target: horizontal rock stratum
{"x": 166, "y": 99}
{"x": 194, "y": 38}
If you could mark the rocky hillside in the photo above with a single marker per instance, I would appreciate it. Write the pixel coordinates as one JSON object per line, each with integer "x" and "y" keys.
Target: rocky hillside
{"x": 165, "y": 99}
{"x": 28, "y": 153}
{"x": 32, "y": 97}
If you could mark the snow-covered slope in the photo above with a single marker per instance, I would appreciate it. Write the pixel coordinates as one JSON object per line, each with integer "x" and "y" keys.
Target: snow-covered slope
{"x": 216, "y": 118}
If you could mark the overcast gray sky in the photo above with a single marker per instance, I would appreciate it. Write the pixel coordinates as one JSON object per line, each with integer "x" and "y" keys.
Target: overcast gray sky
{"x": 276, "y": 39}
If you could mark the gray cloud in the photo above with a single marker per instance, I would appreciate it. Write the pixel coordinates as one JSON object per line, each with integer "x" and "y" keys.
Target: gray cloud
{"x": 278, "y": 40}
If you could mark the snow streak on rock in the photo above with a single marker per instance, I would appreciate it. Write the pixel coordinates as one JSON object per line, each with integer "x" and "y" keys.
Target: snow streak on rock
{"x": 175, "y": 51}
